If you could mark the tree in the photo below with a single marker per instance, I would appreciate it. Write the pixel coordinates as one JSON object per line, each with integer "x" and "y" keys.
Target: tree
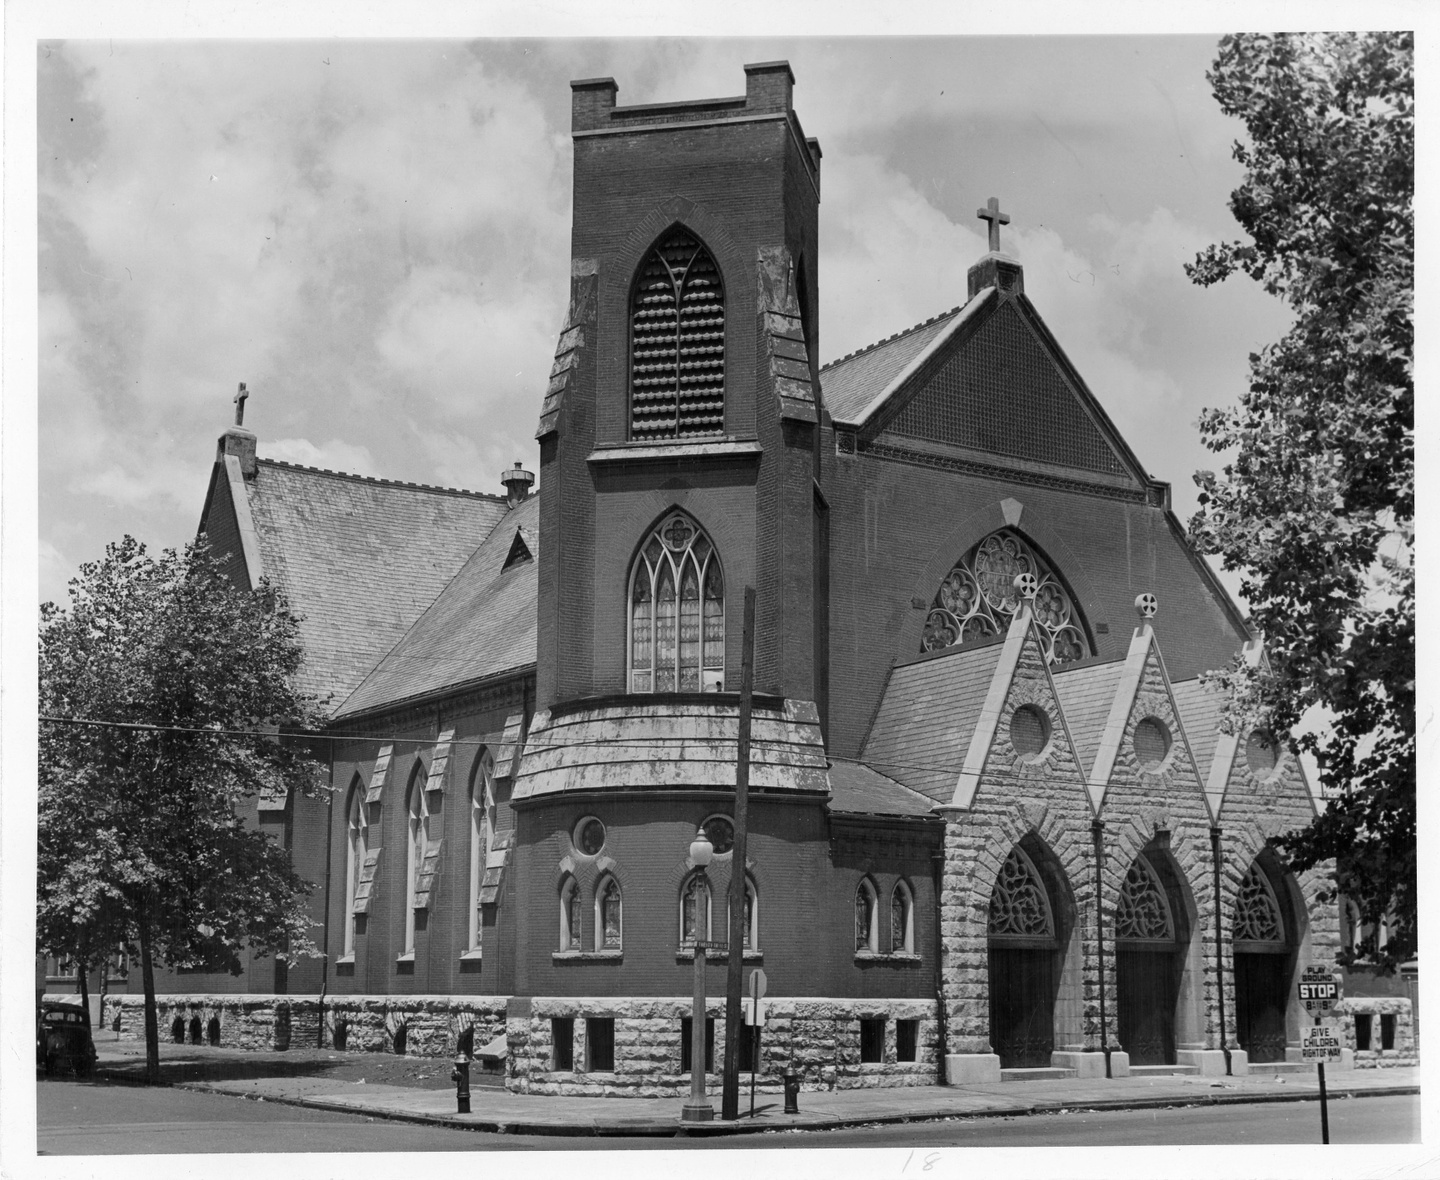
{"x": 157, "y": 686}
{"x": 1317, "y": 506}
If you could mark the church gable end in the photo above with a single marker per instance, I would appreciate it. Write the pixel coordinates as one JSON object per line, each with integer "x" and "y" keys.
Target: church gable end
{"x": 1002, "y": 392}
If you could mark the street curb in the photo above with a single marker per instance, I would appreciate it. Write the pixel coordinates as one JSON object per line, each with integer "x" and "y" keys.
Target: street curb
{"x": 646, "y": 1128}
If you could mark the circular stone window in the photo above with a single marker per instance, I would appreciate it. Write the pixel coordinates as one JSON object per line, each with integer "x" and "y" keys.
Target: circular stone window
{"x": 1029, "y": 732}
{"x": 1262, "y": 752}
{"x": 590, "y": 835}
{"x": 1152, "y": 743}
{"x": 721, "y": 830}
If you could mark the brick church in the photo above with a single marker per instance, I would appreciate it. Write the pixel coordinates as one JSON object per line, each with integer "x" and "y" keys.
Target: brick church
{"x": 993, "y": 825}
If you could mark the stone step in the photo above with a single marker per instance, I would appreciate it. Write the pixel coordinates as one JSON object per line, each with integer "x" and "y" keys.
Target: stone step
{"x": 1160, "y": 1071}
{"x": 1037, "y": 1074}
{"x": 1283, "y": 1067}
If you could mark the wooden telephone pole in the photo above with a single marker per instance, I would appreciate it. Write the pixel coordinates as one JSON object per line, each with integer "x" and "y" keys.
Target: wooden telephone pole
{"x": 735, "y": 965}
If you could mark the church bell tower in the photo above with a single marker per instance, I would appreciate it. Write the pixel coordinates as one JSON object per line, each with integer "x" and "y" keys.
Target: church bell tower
{"x": 679, "y": 432}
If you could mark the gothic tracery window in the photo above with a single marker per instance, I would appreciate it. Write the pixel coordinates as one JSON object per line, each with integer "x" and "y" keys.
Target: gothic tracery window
{"x": 1143, "y": 911}
{"x": 607, "y": 916}
{"x": 358, "y": 830}
{"x": 1019, "y": 904}
{"x": 866, "y": 917}
{"x": 570, "y": 915}
{"x": 677, "y": 611}
{"x": 902, "y": 919}
{"x": 1257, "y": 910}
{"x": 694, "y": 910}
{"x": 482, "y": 824}
{"x": 677, "y": 350}
{"x": 978, "y": 598}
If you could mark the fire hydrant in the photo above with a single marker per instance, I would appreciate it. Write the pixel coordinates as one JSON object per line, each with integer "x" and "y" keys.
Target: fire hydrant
{"x": 791, "y": 1079}
{"x": 460, "y": 1075}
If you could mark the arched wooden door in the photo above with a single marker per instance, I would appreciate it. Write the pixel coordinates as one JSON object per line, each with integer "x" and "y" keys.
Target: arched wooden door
{"x": 1024, "y": 957}
{"x": 1149, "y": 960}
{"x": 1262, "y": 968}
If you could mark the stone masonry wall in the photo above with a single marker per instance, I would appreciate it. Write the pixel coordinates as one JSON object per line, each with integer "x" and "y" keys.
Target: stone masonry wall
{"x": 1405, "y": 1050}
{"x": 820, "y": 1038}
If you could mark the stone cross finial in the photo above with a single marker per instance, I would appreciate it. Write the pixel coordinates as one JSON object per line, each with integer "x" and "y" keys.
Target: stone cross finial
{"x": 992, "y": 214}
{"x": 239, "y": 399}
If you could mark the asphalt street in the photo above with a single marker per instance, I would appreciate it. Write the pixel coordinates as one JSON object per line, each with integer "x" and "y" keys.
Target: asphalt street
{"x": 79, "y": 1118}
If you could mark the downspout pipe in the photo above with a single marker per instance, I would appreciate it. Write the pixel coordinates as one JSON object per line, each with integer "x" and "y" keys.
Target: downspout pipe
{"x": 1215, "y": 834}
{"x": 1097, "y": 832}
{"x": 937, "y": 865}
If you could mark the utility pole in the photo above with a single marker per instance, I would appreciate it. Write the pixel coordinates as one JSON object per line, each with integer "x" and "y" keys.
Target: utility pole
{"x": 735, "y": 965}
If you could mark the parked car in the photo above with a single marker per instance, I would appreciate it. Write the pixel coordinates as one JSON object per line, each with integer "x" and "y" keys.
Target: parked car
{"x": 63, "y": 1040}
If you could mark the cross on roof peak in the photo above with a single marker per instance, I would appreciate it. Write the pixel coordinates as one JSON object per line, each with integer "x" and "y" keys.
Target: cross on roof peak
{"x": 239, "y": 399}
{"x": 991, "y": 213}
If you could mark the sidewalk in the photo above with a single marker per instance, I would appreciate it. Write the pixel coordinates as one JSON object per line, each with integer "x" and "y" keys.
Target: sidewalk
{"x": 496, "y": 1110}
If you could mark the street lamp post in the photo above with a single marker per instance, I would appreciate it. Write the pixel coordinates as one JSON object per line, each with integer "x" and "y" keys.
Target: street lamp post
{"x": 698, "y": 1110}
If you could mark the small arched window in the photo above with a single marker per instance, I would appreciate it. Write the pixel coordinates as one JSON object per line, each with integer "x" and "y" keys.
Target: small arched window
{"x": 417, "y": 839}
{"x": 867, "y": 917}
{"x": 482, "y": 818}
{"x": 608, "y": 915}
{"x": 570, "y": 915}
{"x": 902, "y": 920}
{"x": 694, "y": 910}
{"x": 677, "y": 611}
{"x": 357, "y": 838}
{"x": 750, "y": 938}
{"x": 677, "y": 342}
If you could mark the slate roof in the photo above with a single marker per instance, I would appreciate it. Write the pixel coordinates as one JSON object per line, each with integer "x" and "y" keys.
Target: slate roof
{"x": 1200, "y": 714}
{"x": 635, "y": 742}
{"x": 855, "y": 787}
{"x": 929, "y": 711}
{"x": 329, "y": 541}
{"x": 849, "y": 384}
{"x": 1086, "y": 695}
{"x": 480, "y": 625}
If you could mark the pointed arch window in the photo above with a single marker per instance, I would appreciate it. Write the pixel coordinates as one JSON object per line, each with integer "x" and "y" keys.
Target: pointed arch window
{"x": 357, "y": 839}
{"x": 416, "y": 845}
{"x": 482, "y": 824}
{"x": 608, "y": 915}
{"x": 1142, "y": 913}
{"x": 1020, "y": 903}
{"x": 677, "y": 342}
{"x": 978, "y": 598}
{"x": 1258, "y": 918}
{"x": 694, "y": 910}
{"x": 569, "y": 914}
{"x": 867, "y": 917}
{"x": 677, "y": 611}
{"x": 902, "y": 919}
{"x": 751, "y": 934}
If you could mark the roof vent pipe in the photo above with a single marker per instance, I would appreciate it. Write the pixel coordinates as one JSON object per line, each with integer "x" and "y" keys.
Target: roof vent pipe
{"x": 517, "y": 483}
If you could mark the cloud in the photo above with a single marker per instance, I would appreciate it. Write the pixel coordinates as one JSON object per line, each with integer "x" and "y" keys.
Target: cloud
{"x": 334, "y": 455}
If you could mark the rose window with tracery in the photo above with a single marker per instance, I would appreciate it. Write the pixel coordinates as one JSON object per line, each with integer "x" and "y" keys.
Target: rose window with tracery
{"x": 1257, "y": 910}
{"x": 978, "y": 598}
{"x": 1143, "y": 912}
{"x": 1019, "y": 905}
{"x": 677, "y": 611}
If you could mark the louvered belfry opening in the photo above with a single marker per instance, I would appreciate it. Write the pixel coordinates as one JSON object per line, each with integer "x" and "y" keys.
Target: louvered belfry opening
{"x": 677, "y": 356}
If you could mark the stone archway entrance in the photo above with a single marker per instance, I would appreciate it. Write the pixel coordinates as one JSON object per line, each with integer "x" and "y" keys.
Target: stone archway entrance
{"x": 1262, "y": 946}
{"x": 1025, "y": 960}
{"x": 1151, "y": 936}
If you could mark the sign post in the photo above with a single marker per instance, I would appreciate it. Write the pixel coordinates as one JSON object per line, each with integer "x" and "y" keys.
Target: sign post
{"x": 757, "y": 1019}
{"x": 1319, "y": 992}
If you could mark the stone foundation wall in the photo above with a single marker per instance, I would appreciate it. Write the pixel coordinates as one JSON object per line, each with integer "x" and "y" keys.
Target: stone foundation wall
{"x": 1405, "y": 1052}
{"x": 820, "y": 1038}
{"x": 432, "y": 1025}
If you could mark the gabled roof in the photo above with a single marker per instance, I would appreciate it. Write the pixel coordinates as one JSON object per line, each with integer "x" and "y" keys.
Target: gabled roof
{"x": 329, "y": 542}
{"x": 923, "y": 727}
{"x": 481, "y": 625}
{"x": 863, "y": 790}
{"x": 1085, "y": 694}
{"x": 855, "y": 383}
{"x": 1200, "y": 713}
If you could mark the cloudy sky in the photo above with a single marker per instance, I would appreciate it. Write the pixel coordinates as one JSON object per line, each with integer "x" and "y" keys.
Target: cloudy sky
{"x": 373, "y": 234}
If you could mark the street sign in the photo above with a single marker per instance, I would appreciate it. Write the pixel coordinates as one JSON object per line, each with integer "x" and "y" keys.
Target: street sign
{"x": 1320, "y": 1043}
{"x": 708, "y": 946}
{"x": 757, "y": 1012}
{"x": 757, "y": 984}
{"x": 1318, "y": 990}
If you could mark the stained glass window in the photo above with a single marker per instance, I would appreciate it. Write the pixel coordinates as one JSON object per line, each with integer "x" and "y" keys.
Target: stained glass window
{"x": 865, "y": 917}
{"x": 570, "y": 916}
{"x": 677, "y": 356}
{"x": 1019, "y": 904}
{"x": 1257, "y": 911}
{"x": 902, "y": 936}
{"x": 978, "y": 598}
{"x": 1143, "y": 911}
{"x": 677, "y": 630}
{"x": 609, "y": 915}
{"x": 695, "y": 910}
